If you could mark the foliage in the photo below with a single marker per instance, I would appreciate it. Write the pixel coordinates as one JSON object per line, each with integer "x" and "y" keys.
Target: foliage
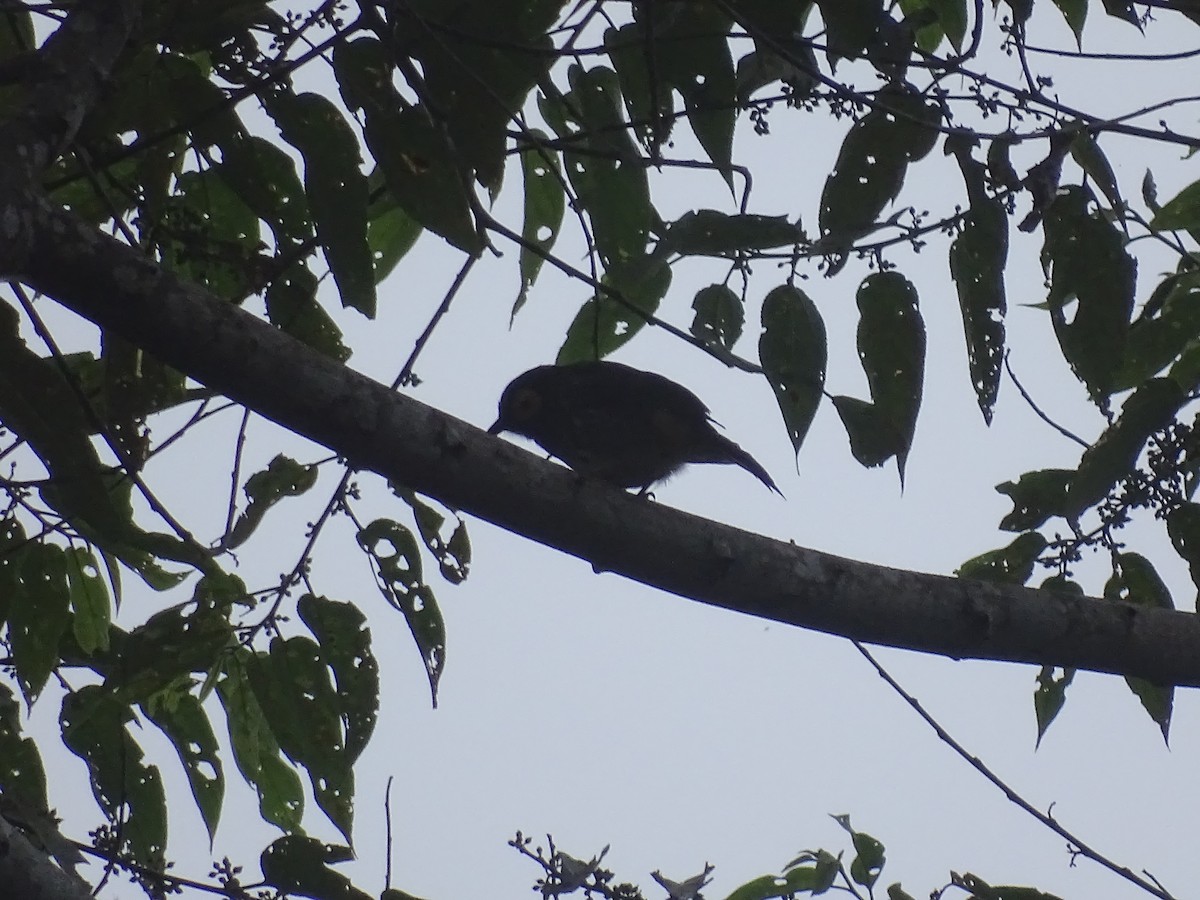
{"x": 428, "y": 108}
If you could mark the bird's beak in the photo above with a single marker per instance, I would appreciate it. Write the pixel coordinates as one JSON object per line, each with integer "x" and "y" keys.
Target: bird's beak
{"x": 497, "y": 427}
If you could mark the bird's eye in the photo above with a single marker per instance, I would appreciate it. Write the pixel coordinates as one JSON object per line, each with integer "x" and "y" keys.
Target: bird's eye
{"x": 525, "y": 404}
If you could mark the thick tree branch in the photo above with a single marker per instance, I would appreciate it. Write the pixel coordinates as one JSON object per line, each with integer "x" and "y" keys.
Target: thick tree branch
{"x": 231, "y": 351}
{"x": 28, "y": 873}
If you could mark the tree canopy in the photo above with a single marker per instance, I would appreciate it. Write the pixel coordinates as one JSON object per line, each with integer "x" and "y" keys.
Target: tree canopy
{"x": 202, "y": 203}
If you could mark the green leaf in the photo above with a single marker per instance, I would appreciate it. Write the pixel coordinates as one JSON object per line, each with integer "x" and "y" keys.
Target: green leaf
{"x": 336, "y": 189}
{"x": 1036, "y": 496}
{"x": 977, "y": 259}
{"x": 609, "y": 186}
{"x": 719, "y": 317}
{"x": 692, "y": 49}
{"x": 604, "y": 324}
{"x": 708, "y": 232}
{"x": 952, "y": 16}
{"x": 851, "y": 26}
{"x": 1008, "y": 565}
{"x": 1123, "y": 10}
{"x": 1087, "y": 262}
{"x": 454, "y": 553}
{"x": 264, "y": 176}
{"x": 1180, "y": 212}
{"x": 94, "y": 728}
{"x": 1112, "y": 458}
{"x": 92, "y": 612}
{"x": 38, "y": 616}
{"x": 545, "y": 203}
{"x": 873, "y": 439}
{"x": 1136, "y": 581}
{"x": 182, "y": 718}
{"x": 295, "y": 864}
{"x": 340, "y": 629}
{"x": 891, "y": 348}
{"x": 1166, "y": 330}
{"x": 869, "y": 855}
{"x": 22, "y": 775}
{"x": 397, "y": 558}
{"x": 793, "y": 352}
{"x": 649, "y": 100}
{"x": 283, "y": 477}
{"x": 1050, "y": 696}
{"x": 872, "y": 162}
{"x": 296, "y": 695}
{"x": 292, "y": 306}
{"x": 1087, "y": 153}
{"x": 255, "y": 750}
{"x": 1075, "y": 12}
{"x": 392, "y": 232}
{"x": 1183, "y": 526}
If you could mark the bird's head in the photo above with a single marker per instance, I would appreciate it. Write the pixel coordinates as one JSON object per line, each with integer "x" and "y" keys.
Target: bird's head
{"x": 523, "y": 403}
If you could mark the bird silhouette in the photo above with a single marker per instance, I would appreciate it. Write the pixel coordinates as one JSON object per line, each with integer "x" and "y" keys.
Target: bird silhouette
{"x": 617, "y": 424}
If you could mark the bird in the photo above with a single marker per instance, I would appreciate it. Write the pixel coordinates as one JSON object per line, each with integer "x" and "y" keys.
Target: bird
{"x": 617, "y": 424}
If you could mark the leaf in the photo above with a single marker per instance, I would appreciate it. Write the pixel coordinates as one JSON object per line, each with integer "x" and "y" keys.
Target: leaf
{"x": 793, "y": 352}
{"x": 182, "y": 718}
{"x": 128, "y": 791}
{"x": 1075, "y": 12}
{"x": 872, "y": 163}
{"x": 1114, "y": 454}
{"x": 1087, "y": 153}
{"x": 1087, "y": 262}
{"x": 1168, "y": 326}
{"x": 1136, "y": 581}
{"x": 604, "y": 324}
{"x": 873, "y": 439}
{"x": 453, "y": 554}
{"x": 340, "y": 629}
{"x": 296, "y": 695}
{"x": 391, "y": 232}
{"x": 891, "y": 348}
{"x": 1008, "y": 565}
{"x": 708, "y": 232}
{"x": 545, "y": 203}
{"x": 719, "y": 317}
{"x": 283, "y": 477}
{"x": 336, "y": 189}
{"x": 1181, "y": 212}
{"x": 292, "y": 306}
{"x": 255, "y": 750}
{"x": 38, "y": 616}
{"x": 1050, "y": 697}
{"x": 977, "y": 259}
{"x": 869, "y": 854}
{"x": 397, "y": 558}
{"x": 851, "y": 26}
{"x": 1183, "y": 526}
{"x": 264, "y": 176}
{"x": 610, "y": 186}
{"x": 90, "y": 605}
{"x": 1036, "y": 497}
{"x": 22, "y": 774}
{"x": 296, "y": 864}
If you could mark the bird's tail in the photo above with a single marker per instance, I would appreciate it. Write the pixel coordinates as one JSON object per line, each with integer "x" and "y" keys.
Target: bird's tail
{"x": 729, "y": 452}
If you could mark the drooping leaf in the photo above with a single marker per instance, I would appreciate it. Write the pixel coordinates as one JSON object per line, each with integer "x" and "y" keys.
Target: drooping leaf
{"x": 336, "y": 188}
{"x": 255, "y": 749}
{"x": 39, "y": 615}
{"x": 295, "y": 692}
{"x": 868, "y": 854}
{"x": 292, "y": 306}
{"x": 605, "y": 323}
{"x": 851, "y": 26}
{"x": 1183, "y": 526}
{"x": 1075, "y": 13}
{"x": 719, "y": 317}
{"x": 1168, "y": 326}
{"x": 397, "y": 558}
{"x": 1136, "y": 581}
{"x": 873, "y": 437}
{"x": 340, "y": 629}
{"x": 90, "y": 606}
{"x": 453, "y": 553}
{"x": 545, "y": 203}
{"x": 1088, "y": 265}
{"x": 283, "y": 477}
{"x": 22, "y": 774}
{"x": 181, "y": 717}
{"x": 95, "y": 728}
{"x": 1113, "y": 455}
{"x": 793, "y": 352}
